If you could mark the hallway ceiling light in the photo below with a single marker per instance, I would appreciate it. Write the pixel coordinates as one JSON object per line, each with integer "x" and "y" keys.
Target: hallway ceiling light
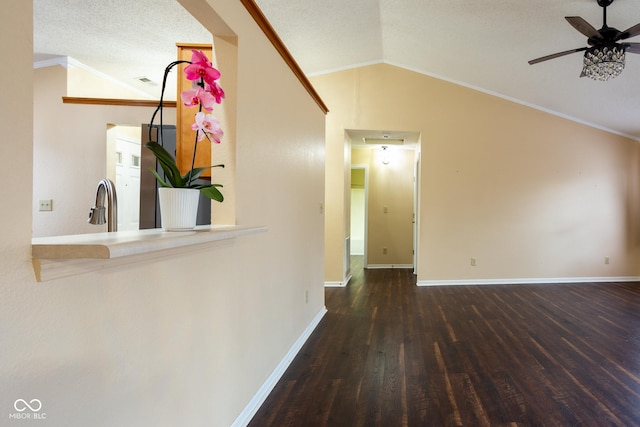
{"x": 385, "y": 155}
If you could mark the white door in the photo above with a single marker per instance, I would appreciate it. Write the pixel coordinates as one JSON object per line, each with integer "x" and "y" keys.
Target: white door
{"x": 128, "y": 182}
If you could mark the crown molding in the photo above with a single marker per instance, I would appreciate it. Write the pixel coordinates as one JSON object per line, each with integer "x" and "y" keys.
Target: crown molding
{"x": 68, "y": 62}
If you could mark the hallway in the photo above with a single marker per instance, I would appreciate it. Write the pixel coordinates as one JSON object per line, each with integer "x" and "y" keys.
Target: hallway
{"x": 389, "y": 353}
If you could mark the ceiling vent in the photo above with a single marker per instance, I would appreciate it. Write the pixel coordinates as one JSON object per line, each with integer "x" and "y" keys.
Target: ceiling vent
{"x": 383, "y": 141}
{"x": 146, "y": 80}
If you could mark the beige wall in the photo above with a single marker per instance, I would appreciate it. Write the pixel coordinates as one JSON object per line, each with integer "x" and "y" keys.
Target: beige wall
{"x": 528, "y": 194}
{"x": 337, "y": 183}
{"x": 225, "y": 57}
{"x": 390, "y": 205}
{"x": 180, "y": 340}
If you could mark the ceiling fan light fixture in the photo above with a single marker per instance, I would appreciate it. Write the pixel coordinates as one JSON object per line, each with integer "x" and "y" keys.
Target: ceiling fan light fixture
{"x": 604, "y": 62}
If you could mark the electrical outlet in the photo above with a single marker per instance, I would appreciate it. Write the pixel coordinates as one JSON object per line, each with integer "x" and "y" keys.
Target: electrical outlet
{"x": 45, "y": 205}
{"x": 384, "y": 251}
{"x": 606, "y": 260}
{"x": 473, "y": 262}
{"x": 306, "y": 297}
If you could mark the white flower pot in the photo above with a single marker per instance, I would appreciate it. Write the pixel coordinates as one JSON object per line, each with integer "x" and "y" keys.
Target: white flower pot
{"x": 178, "y": 208}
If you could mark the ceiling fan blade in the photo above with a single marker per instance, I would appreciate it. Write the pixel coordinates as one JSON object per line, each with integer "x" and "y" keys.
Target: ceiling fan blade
{"x": 556, "y": 55}
{"x": 633, "y": 47}
{"x": 631, "y": 32}
{"x": 583, "y": 26}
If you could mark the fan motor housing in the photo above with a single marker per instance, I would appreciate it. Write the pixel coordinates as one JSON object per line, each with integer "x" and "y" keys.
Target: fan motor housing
{"x": 608, "y": 34}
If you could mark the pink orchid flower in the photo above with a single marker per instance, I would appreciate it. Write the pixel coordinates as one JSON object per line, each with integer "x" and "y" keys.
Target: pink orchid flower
{"x": 197, "y": 96}
{"x": 201, "y": 68}
{"x": 207, "y": 124}
{"x": 199, "y": 57}
{"x": 216, "y": 91}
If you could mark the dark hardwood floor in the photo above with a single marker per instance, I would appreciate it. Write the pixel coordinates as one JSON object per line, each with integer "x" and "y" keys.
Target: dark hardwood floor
{"x": 389, "y": 353}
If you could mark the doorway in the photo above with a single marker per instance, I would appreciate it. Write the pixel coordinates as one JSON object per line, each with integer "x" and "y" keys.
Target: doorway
{"x": 389, "y": 198}
{"x": 358, "y": 226}
{"x": 390, "y": 161}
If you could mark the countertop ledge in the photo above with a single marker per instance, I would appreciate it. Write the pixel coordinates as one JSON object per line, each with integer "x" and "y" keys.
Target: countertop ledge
{"x": 125, "y": 243}
{"x": 61, "y": 256}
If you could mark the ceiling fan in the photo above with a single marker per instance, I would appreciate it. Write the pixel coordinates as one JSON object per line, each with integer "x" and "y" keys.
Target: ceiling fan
{"x": 604, "y": 57}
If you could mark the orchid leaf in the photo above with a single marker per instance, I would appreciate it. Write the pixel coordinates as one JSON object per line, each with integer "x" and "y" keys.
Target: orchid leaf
{"x": 196, "y": 172}
{"x": 193, "y": 174}
{"x": 167, "y": 163}
{"x": 212, "y": 192}
{"x": 159, "y": 178}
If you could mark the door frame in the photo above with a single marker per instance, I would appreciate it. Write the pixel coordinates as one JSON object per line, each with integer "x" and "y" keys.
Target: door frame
{"x": 416, "y": 211}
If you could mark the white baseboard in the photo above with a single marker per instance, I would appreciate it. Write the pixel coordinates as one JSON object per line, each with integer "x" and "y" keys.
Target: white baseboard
{"x": 261, "y": 395}
{"x": 546, "y": 280}
{"x": 377, "y": 266}
{"x": 334, "y": 284}
{"x": 338, "y": 284}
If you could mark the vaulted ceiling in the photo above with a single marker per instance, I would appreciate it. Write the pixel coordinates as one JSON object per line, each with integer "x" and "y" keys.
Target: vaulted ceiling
{"x": 481, "y": 44}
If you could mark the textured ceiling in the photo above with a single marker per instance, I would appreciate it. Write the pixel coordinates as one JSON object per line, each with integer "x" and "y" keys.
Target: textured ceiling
{"x": 481, "y": 44}
{"x": 121, "y": 38}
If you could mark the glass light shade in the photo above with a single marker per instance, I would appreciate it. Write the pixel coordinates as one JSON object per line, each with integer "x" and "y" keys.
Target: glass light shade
{"x": 604, "y": 63}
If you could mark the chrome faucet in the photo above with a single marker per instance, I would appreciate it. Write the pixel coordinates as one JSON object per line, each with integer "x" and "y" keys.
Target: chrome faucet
{"x": 97, "y": 213}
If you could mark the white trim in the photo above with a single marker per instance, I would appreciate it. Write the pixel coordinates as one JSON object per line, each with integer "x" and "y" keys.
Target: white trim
{"x": 379, "y": 266}
{"x": 261, "y": 395}
{"x": 63, "y": 61}
{"x": 67, "y": 62}
{"x": 417, "y": 173}
{"x": 342, "y": 284}
{"x": 348, "y": 67}
{"x": 334, "y": 284}
{"x": 530, "y": 281}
